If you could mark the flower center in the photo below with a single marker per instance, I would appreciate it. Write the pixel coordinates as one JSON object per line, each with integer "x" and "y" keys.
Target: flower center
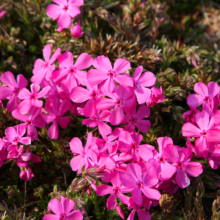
{"x": 134, "y": 146}
{"x": 66, "y": 7}
{"x": 62, "y": 216}
{"x": 133, "y": 120}
{"x": 29, "y": 122}
{"x": 161, "y": 159}
{"x": 111, "y": 73}
{"x": 33, "y": 96}
{"x": 119, "y": 102}
{"x": 57, "y": 118}
{"x": 72, "y": 70}
{"x": 16, "y": 139}
{"x": 116, "y": 190}
{"x": 93, "y": 94}
{"x": 139, "y": 184}
{"x": 16, "y": 91}
{"x": 180, "y": 165}
{"x": 206, "y": 99}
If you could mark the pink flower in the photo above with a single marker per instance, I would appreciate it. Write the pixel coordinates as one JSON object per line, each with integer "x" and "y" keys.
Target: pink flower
{"x": 205, "y": 94}
{"x": 80, "y": 94}
{"x": 62, "y": 210}
{"x": 147, "y": 79}
{"x": 105, "y": 73}
{"x": 15, "y": 135}
{"x": 64, "y": 11}
{"x": 157, "y": 94}
{"x": 116, "y": 190}
{"x": 122, "y": 101}
{"x": 12, "y": 91}
{"x": 136, "y": 119}
{"x": 31, "y": 98}
{"x": 180, "y": 158}
{"x": 130, "y": 143}
{"x": 163, "y": 169}
{"x": 31, "y": 120}
{"x": 3, "y": 13}
{"x": 43, "y": 69}
{"x": 56, "y": 110}
{"x": 26, "y": 173}
{"x": 141, "y": 183}
{"x": 200, "y": 130}
{"x": 98, "y": 120}
{"x": 76, "y": 31}
{"x": 82, "y": 153}
{"x": 71, "y": 73}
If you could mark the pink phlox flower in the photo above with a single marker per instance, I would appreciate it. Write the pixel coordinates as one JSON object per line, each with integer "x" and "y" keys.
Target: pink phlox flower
{"x": 43, "y": 69}
{"x": 163, "y": 169}
{"x": 3, "y": 13}
{"x": 24, "y": 158}
{"x": 130, "y": 143}
{"x": 213, "y": 155}
{"x": 3, "y": 151}
{"x": 200, "y": 130}
{"x": 14, "y": 151}
{"x": 157, "y": 95}
{"x": 105, "y": 73}
{"x": 12, "y": 90}
{"x": 107, "y": 143}
{"x": 64, "y": 210}
{"x": 91, "y": 95}
{"x": 141, "y": 183}
{"x": 82, "y": 154}
{"x": 205, "y": 94}
{"x": 64, "y": 11}
{"x": 32, "y": 120}
{"x": 142, "y": 214}
{"x": 136, "y": 119}
{"x": 71, "y": 73}
{"x": 150, "y": 102}
{"x": 56, "y": 110}
{"x": 121, "y": 101}
{"x": 189, "y": 116}
{"x": 31, "y": 98}
{"x": 181, "y": 159}
{"x": 76, "y": 31}
{"x": 26, "y": 173}
{"x": 15, "y": 135}
{"x": 116, "y": 190}
{"x": 141, "y": 81}
{"x": 98, "y": 120}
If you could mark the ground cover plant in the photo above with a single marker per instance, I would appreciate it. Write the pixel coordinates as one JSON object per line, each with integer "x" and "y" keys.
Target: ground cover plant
{"x": 109, "y": 109}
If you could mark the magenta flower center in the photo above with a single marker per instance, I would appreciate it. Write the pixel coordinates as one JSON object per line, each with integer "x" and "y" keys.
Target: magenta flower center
{"x": 111, "y": 73}
{"x": 33, "y": 96}
{"x": 116, "y": 190}
{"x": 57, "y": 118}
{"x": 83, "y": 153}
{"x": 16, "y": 139}
{"x": 134, "y": 146}
{"x": 180, "y": 165}
{"x": 29, "y": 122}
{"x": 62, "y": 216}
{"x": 204, "y": 133}
{"x": 139, "y": 184}
{"x": 16, "y": 91}
{"x": 95, "y": 118}
{"x": 133, "y": 120}
{"x": 119, "y": 102}
{"x": 65, "y": 7}
{"x": 93, "y": 94}
{"x": 206, "y": 99}
{"x": 46, "y": 64}
{"x": 72, "y": 70}
{"x": 161, "y": 159}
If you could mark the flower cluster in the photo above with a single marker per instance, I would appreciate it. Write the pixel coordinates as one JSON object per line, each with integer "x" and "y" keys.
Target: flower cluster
{"x": 203, "y": 124}
{"x": 63, "y": 12}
